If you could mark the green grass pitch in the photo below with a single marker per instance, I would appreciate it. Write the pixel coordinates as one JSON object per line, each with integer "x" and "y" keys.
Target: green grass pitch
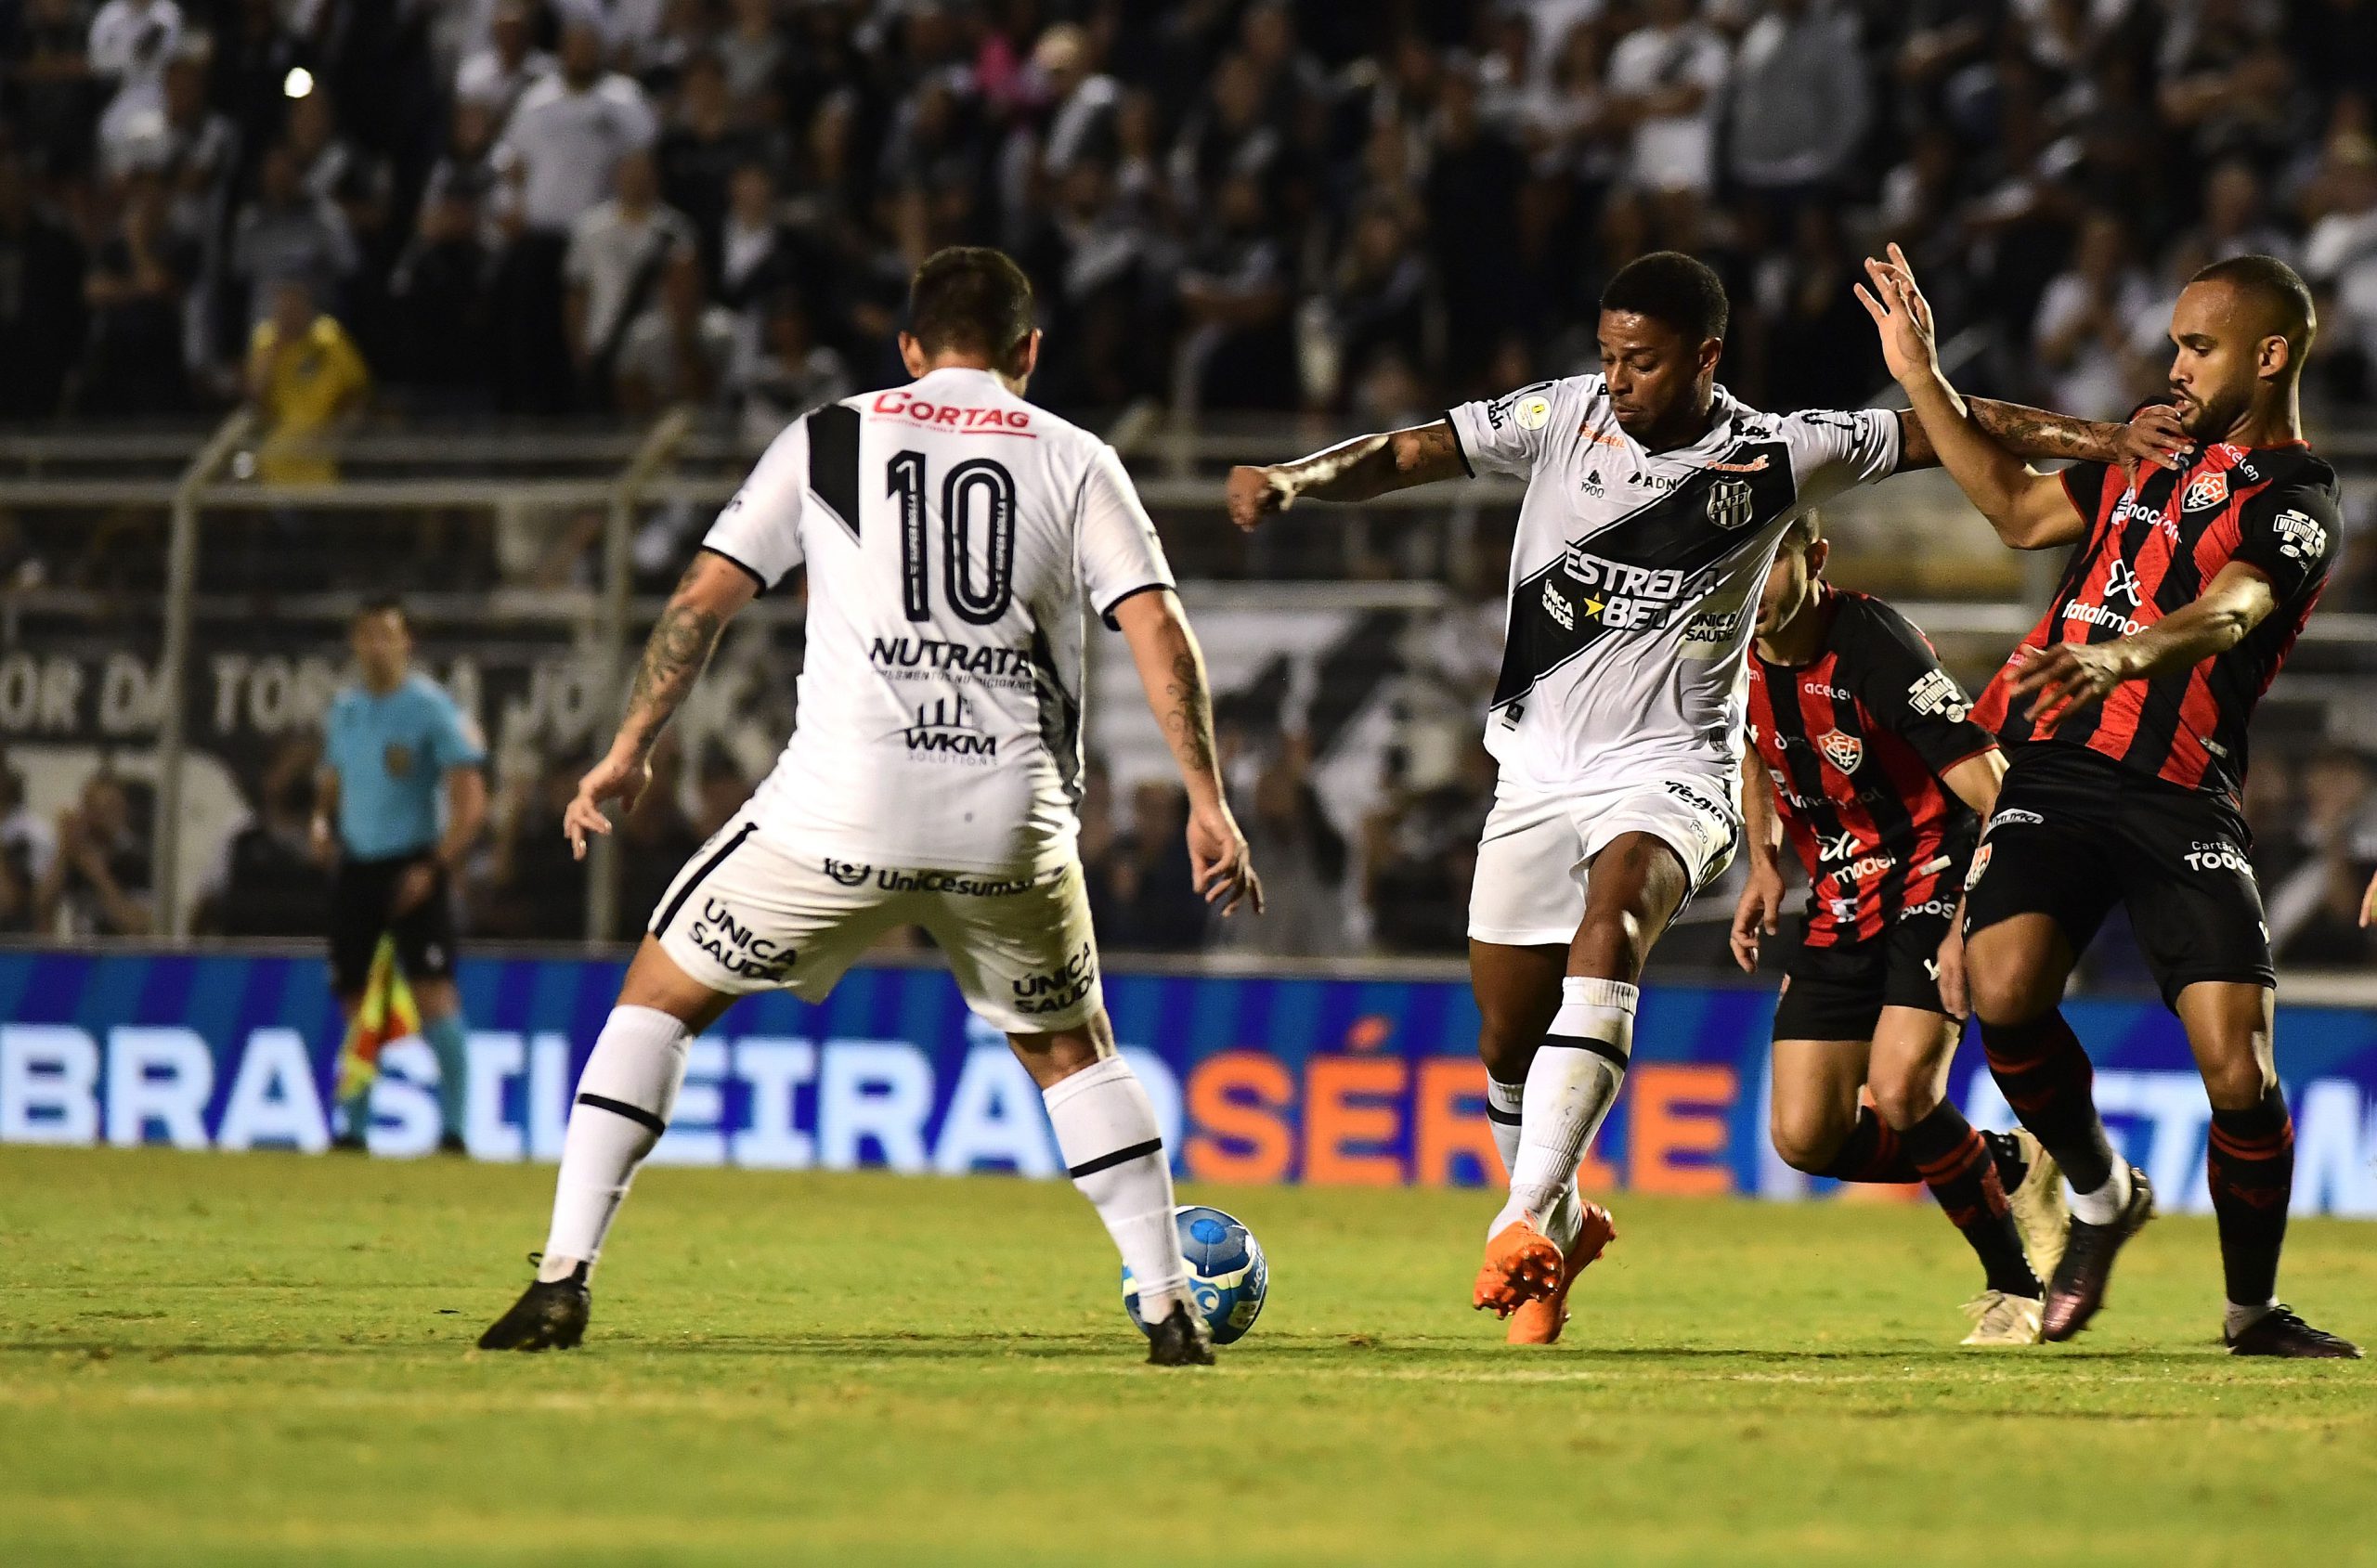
{"x": 266, "y": 1359}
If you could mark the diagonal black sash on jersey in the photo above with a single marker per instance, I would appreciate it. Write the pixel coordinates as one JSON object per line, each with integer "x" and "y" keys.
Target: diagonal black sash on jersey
{"x": 832, "y": 462}
{"x": 1690, "y": 532}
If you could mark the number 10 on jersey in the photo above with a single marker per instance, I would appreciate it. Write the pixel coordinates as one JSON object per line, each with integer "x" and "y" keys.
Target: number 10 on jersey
{"x": 981, "y": 485}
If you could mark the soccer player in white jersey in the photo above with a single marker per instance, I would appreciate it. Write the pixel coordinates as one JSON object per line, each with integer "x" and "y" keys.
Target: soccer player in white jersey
{"x": 1653, "y": 502}
{"x": 950, "y": 532}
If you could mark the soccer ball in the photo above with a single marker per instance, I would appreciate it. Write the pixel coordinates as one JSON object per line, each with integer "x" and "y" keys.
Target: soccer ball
{"x": 1227, "y": 1274}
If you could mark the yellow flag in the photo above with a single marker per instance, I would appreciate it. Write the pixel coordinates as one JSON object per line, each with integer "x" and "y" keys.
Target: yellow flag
{"x": 387, "y": 1013}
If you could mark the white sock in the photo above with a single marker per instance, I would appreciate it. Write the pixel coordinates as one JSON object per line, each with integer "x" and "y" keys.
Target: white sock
{"x": 1566, "y": 1216}
{"x": 624, "y": 1099}
{"x": 2241, "y": 1318}
{"x": 2103, "y": 1206}
{"x": 1570, "y": 1086}
{"x": 1107, "y": 1132}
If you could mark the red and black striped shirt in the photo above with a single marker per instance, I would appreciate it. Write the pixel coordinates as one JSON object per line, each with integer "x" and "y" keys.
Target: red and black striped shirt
{"x": 2151, "y": 550}
{"x": 1857, "y": 741}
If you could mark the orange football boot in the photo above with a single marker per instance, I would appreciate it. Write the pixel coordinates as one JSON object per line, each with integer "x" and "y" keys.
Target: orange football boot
{"x": 1521, "y": 1265}
{"x": 1538, "y": 1322}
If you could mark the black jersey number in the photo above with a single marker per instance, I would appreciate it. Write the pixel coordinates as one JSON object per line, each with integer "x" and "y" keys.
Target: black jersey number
{"x": 979, "y": 490}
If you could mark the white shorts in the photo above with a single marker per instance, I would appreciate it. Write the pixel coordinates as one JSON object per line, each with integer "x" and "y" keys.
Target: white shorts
{"x": 747, "y": 914}
{"x": 1529, "y": 889}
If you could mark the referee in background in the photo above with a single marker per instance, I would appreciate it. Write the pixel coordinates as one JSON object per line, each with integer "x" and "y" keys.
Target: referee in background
{"x": 403, "y": 796}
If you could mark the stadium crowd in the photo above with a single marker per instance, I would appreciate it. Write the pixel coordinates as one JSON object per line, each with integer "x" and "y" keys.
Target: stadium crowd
{"x": 582, "y": 205}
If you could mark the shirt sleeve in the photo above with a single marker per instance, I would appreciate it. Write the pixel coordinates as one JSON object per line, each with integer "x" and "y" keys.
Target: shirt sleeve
{"x": 1836, "y": 450}
{"x": 1900, "y": 681}
{"x": 760, "y": 529}
{"x": 2289, "y": 531}
{"x": 1508, "y": 434}
{"x": 1116, "y": 545}
{"x": 454, "y": 739}
{"x": 2084, "y": 484}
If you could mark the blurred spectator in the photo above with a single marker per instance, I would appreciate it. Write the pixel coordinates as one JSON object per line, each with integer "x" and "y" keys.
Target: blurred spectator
{"x": 137, "y": 292}
{"x": 561, "y": 154}
{"x": 51, "y": 85}
{"x": 620, "y": 252}
{"x": 28, "y": 847}
{"x": 680, "y": 349}
{"x": 290, "y": 234}
{"x": 440, "y": 286}
{"x": 2314, "y": 914}
{"x": 131, "y": 41}
{"x": 308, "y": 383}
{"x": 2340, "y": 257}
{"x": 1668, "y": 78}
{"x": 41, "y": 299}
{"x": 2087, "y": 320}
{"x": 719, "y": 791}
{"x": 1234, "y": 290}
{"x": 493, "y": 78}
{"x": 535, "y": 889}
{"x": 786, "y": 373}
{"x": 1153, "y": 909}
{"x": 253, "y": 59}
{"x": 1419, "y": 852}
{"x": 1302, "y": 858}
{"x": 333, "y": 168}
{"x": 751, "y": 256}
{"x": 703, "y": 149}
{"x": 267, "y": 881}
{"x": 97, "y": 885}
{"x": 1798, "y": 101}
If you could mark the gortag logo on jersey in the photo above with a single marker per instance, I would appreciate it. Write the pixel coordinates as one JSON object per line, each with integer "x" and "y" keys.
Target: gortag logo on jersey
{"x": 949, "y": 416}
{"x": 1729, "y": 503}
{"x": 944, "y": 727}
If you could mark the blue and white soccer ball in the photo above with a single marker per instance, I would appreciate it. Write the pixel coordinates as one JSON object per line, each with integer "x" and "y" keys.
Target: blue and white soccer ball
{"x": 1227, "y": 1274}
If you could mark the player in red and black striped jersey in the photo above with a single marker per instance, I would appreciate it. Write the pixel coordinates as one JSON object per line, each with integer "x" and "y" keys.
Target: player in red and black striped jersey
{"x": 1862, "y": 753}
{"x": 2125, "y": 714}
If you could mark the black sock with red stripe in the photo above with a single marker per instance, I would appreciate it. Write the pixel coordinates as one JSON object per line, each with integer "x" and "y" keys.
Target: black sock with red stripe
{"x": 1871, "y": 1153}
{"x": 2045, "y": 1077}
{"x": 2250, "y": 1167}
{"x": 1956, "y": 1165}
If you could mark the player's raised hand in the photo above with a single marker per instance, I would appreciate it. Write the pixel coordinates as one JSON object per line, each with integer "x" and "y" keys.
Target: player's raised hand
{"x": 1254, "y": 494}
{"x": 1910, "y": 344}
{"x": 2155, "y": 436}
{"x": 1220, "y": 865}
{"x": 1759, "y": 909}
{"x": 2068, "y": 677}
{"x": 617, "y": 777}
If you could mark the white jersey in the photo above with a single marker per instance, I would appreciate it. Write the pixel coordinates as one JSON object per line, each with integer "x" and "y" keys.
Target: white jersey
{"x": 950, "y": 529}
{"x": 1635, "y": 575}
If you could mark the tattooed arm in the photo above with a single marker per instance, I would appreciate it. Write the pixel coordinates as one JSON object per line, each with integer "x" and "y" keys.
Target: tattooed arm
{"x": 1351, "y": 471}
{"x": 2154, "y": 437}
{"x": 1172, "y": 669}
{"x": 707, "y": 596}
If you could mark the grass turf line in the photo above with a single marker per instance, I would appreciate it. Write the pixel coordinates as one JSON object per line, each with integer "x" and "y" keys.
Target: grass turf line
{"x": 264, "y": 1359}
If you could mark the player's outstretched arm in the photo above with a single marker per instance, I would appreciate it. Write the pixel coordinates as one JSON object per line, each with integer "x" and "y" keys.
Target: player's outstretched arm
{"x": 1759, "y": 909}
{"x": 1172, "y": 669}
{"x": 1351, "y": 471}
{"x": 710, "y": 593}
{"x": 2154, "y": 437}
{"x": 2028, "y": 510}
{"x": 2068, "y": 677}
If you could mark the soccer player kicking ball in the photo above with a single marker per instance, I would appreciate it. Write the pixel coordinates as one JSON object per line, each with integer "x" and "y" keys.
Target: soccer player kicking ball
{"x": 951, "y": 531}
{"x": 1653, "y": 506}
{"x": 2124, "y": 711}
{"x": 1861, "y": 749}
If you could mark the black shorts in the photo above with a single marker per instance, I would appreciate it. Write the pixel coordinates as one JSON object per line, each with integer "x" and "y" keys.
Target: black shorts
{"x": 361, "y": 894}
{"x": 1839, "y": 992}
{"x": 2074, "y": 832}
